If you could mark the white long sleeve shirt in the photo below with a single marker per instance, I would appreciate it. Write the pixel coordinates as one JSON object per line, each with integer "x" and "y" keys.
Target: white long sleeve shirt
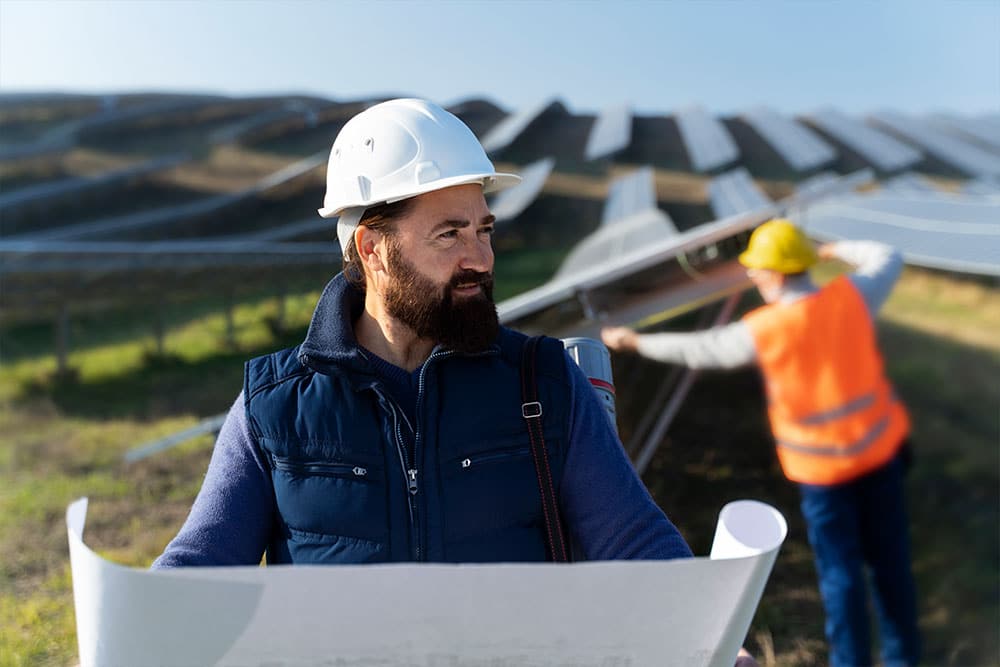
{"x": 732, "y": 345}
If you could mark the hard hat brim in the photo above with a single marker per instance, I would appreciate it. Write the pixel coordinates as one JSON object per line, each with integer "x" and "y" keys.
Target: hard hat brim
{"x": 493, "y": 182}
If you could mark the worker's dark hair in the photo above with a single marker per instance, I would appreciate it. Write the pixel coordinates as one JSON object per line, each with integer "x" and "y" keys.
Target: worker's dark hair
{"x": 380, "y": 218}
{"x": 797, "y": 274}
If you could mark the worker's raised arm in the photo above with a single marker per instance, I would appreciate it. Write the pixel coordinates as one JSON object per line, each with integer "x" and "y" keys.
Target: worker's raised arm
{"x": 877, "y": 268}
{"x": 729, "y": 346}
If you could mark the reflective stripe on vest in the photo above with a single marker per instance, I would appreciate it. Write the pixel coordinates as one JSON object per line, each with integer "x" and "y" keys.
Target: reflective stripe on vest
{"x": 850, "y": 449}
{"x": 833, "y": 413}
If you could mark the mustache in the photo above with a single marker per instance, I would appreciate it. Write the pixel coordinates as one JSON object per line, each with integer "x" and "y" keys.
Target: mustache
{"x": 467, "y": 276}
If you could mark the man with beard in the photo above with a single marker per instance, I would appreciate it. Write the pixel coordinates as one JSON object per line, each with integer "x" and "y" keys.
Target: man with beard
{"x": 397, "y": 430}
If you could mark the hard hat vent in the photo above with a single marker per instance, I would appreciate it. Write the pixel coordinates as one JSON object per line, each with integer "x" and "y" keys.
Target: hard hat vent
{"x": 426, "y": 172}
{"x": 364, "y": 187}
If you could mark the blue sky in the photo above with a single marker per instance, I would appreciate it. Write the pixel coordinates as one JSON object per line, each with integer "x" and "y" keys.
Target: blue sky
{"x": 914, "y": 56}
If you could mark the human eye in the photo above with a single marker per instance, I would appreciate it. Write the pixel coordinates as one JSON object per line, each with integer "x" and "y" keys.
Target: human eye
{"x": 487, "y": 229}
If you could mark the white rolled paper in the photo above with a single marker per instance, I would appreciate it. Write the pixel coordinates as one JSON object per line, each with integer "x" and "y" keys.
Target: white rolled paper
{"x": 688, "y": 612}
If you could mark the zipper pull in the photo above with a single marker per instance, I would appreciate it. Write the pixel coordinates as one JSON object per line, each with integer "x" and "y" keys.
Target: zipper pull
{"x": 413, "y": 481}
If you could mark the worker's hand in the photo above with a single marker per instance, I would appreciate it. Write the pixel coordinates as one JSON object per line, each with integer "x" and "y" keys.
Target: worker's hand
{"x": 826, "y": 251}
{"x": 620, "y": 338}
{"x": 744, "y": 659}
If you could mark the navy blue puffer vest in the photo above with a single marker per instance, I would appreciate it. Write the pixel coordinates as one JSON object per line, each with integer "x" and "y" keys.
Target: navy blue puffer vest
{"x": 350, "y": 490}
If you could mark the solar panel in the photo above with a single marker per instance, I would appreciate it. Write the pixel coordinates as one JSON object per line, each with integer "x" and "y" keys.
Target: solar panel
{"x": 611, "y": 242}
{"x": 630, "y": 194}
{"x": 735, "y": 192}
{"x": 797, "y": 145}
{"x": 941, "y": 231}
{"x": 508, "y": 129}
{"x": 707, "y": 141}
{"x": 982, "y": 129}
{"x": 879, "y": 149}
{"x": 963, "y": 156}
{"x": 612, "y": 132}
{"x": 909, "y": 183}
{"x": 510, "y": 203}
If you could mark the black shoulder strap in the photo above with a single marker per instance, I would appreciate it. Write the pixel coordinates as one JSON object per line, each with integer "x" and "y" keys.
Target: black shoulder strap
{"x": 531, "y": 410}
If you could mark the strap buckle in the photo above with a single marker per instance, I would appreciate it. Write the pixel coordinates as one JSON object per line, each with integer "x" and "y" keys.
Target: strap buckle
{"x": 531, "y": 410}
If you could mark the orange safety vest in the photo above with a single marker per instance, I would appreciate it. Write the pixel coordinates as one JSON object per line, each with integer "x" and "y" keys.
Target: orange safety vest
{"x": 833, "y": 413}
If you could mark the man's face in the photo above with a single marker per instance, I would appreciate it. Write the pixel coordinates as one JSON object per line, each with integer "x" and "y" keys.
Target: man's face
{"x": 439, "y": 280}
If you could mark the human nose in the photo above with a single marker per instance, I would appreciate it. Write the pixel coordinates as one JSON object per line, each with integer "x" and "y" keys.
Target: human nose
{"x": 477, "y": 254}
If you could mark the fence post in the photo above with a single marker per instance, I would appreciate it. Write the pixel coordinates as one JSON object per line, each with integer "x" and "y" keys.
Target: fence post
{"x": 62, "y": 340}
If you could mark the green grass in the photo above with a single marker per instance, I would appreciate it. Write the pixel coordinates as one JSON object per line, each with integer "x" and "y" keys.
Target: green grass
{"x": 63, "y": 438}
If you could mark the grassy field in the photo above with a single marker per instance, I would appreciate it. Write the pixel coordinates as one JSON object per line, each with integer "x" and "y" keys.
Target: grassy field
{"x": 61, "y": 439}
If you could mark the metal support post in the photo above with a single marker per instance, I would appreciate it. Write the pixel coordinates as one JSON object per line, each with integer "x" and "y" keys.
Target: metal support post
{"x": 663, "y": 423}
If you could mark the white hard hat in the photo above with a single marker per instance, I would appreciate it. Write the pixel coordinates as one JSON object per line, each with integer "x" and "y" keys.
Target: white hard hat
{"x": 399, "y": 149}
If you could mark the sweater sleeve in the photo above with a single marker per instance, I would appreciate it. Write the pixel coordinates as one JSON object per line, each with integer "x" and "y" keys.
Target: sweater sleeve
{"x": 607, "y": 508}
{"x": 729, "y": 346}
{"x": 878, "y": 269}
{"x": 231, "y": 519}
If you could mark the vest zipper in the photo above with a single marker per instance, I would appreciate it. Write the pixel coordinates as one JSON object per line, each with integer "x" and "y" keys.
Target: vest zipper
{"x": 409, "y": 471}
{"x": 320, "y": 468}
{"x": 482, "y": 459}
{"x": 418, "y": 432}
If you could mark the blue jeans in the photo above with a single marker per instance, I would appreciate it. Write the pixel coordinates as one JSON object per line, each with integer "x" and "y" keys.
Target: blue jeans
{"x": 858, "y": 523}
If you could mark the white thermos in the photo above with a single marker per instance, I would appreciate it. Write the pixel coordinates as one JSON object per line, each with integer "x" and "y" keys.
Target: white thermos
{"x": 595, "y": 361}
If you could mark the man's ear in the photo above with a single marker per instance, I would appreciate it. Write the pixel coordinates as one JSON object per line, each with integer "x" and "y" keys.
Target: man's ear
{"x": 371, "y": 250}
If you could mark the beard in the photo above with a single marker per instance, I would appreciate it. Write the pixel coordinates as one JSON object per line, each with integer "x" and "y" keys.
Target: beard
{"x": 466, "y": 324}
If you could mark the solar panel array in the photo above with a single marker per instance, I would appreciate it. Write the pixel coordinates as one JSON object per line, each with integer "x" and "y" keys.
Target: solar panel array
{"x": 735, "y": 192}
{"x": 797, "y": 145}
{"x": 162, "y": 216}
{"x": 961, "y": 155}
{"x": 611, "y": 133}
{"x": 879, "y": 149}
{"x": 707, "y": 141}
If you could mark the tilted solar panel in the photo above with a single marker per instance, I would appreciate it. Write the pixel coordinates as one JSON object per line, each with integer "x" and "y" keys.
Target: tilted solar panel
{"x": 879, "y": 149}
{"x": 799, "y": 146}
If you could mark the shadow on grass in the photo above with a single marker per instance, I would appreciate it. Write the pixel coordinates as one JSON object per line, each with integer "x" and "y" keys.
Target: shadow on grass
{"x": 164, "y": 385}
{"x": 719, "y": 449}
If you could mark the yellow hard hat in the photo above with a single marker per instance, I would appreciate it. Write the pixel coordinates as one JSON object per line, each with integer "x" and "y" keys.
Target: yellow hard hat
{"x": 778, "y": 245}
